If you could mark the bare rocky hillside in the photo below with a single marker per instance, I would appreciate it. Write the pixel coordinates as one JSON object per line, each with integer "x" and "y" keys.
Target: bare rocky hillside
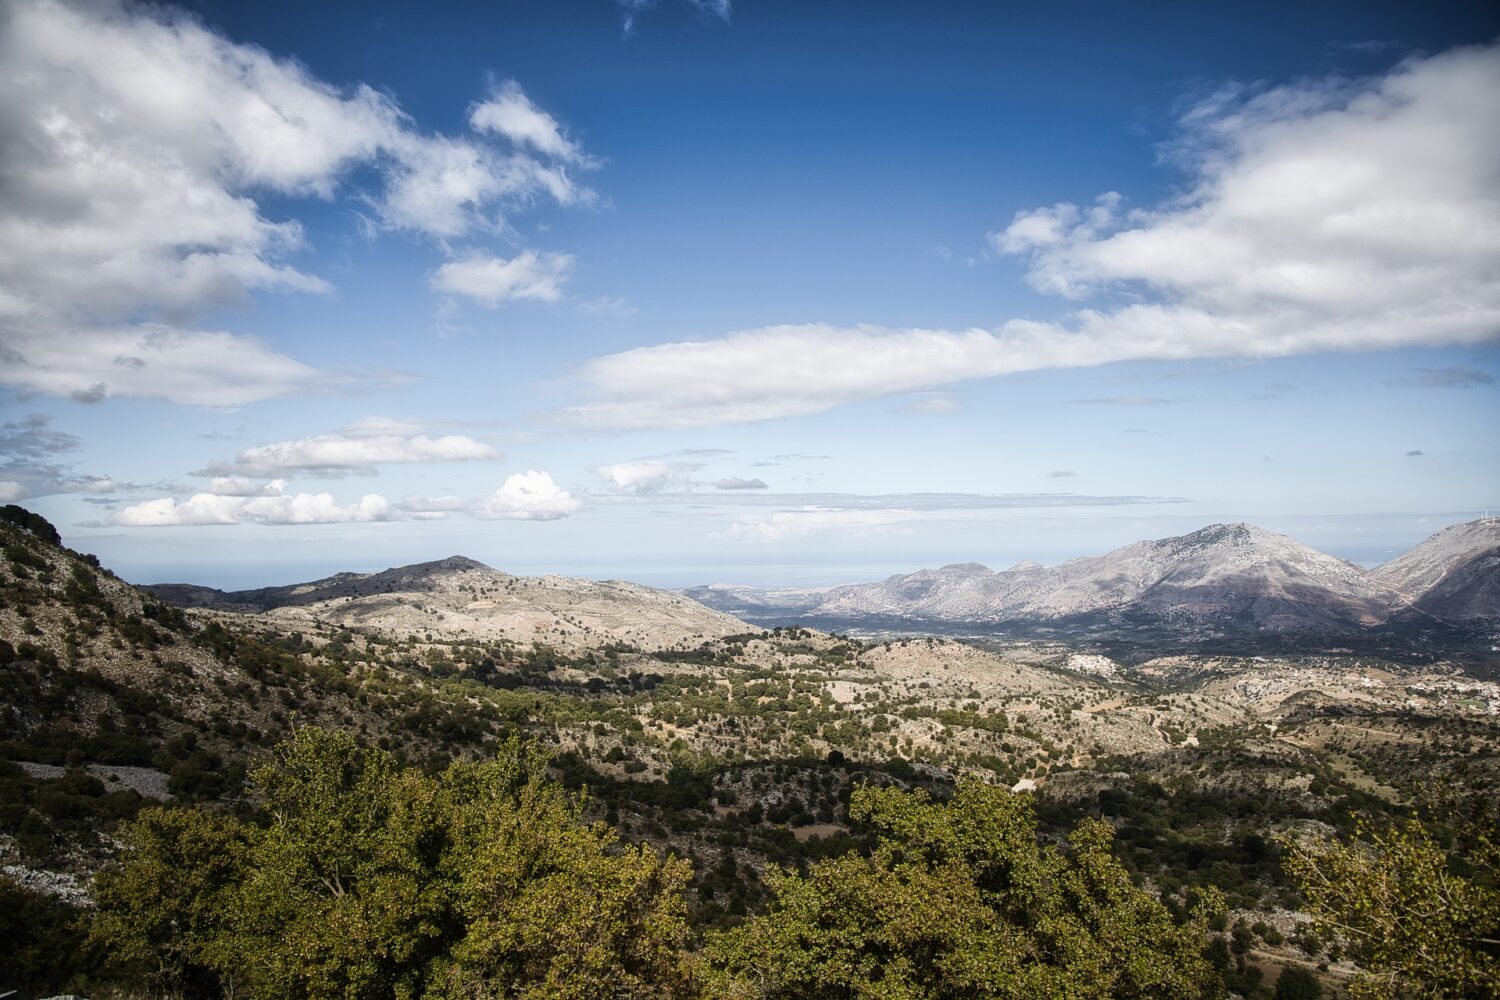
{"x": 459, "y": 597}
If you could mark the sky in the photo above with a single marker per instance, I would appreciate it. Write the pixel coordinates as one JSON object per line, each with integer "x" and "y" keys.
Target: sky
{"x": 698, "y": 291}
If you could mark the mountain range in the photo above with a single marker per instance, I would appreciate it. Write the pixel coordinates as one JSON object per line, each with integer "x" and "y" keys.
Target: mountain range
{"x": 460, "y": 597}
{"x": 1222, "y": 580}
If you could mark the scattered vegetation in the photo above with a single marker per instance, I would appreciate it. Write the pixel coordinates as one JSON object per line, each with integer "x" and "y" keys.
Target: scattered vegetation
{"x": 769, "y": 814}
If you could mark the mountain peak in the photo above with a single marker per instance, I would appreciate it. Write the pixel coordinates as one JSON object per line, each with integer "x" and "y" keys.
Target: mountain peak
{"x": 965, "y": 569}
{"x": 1232, "y": 533}
{"x": 452, "y": 564}
{"x": 1218, "y": 580}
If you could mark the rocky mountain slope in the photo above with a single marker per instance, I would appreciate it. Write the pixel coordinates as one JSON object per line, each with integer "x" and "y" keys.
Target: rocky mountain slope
{"x": 1454, "y": 575}
{"x": 1224, "y": 579}
{"x": 458, "y": 596}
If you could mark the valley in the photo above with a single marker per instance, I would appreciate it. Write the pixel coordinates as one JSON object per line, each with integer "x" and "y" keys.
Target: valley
{"x": 734, "y": 746}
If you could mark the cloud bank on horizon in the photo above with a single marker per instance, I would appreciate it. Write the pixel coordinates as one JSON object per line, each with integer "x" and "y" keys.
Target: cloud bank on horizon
{"x": 1330, "y": 215}
{"x": 524, "y": 496}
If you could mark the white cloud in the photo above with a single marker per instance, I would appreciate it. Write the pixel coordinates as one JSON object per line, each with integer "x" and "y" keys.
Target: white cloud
{"x": 509, "y": 112}
{"x": 527, "y": 496}
{"x": 645, "y": 476}
{"x": 738, "y": 483}
{"x": 493, "y": 280}
{"x": 241, "y": 486}
{"x": 435, "y": 505}
{"x": 211, "y": 508}
{"x": 139, "y": 145}
{"x": 1322, "y": 217}
{"x": 359, "y": 448}
{"x": 150, "y": 360}
{"x": 11, "y": 490}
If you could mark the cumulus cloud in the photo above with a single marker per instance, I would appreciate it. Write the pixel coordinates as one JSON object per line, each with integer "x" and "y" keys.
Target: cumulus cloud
{"x": 493, "y": 280}
{"x": 1320, "y": 216}
{"x": 645, "y": 476}
{"x": 296, "y": 508}
{"x": 528, "y": 496}
{"x": 1061, "y": 474}
{"x": 140, "y": 147}
{"x": 435, "y": 505}
{"x": 357, "y": 449}
{"x": 736, "y": 483}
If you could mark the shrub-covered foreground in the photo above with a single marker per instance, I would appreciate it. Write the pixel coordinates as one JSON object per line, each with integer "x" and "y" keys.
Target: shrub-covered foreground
{"x": 359, "y": 879}
{"x": 363, "y": 880}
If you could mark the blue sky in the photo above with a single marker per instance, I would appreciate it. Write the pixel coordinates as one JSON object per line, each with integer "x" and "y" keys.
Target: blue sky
{"x": 770, "y": 292}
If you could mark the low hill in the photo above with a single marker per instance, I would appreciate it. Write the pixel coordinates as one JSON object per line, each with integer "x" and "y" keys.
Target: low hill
{"x": 461, "y": 597}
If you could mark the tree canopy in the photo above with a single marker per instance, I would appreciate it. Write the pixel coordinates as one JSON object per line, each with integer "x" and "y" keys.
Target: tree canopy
{"x": 364, "y": 880}
{"x": 356, "y": 878}
{"x": 960, "y": 900}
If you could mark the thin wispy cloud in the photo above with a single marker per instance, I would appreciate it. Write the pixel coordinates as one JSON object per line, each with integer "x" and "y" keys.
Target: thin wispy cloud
{"x": 795, "y": 525}
{"x": 909, "y": 501}
{"x": 631, "y": 10}
{"x": 607, "y": 307}
{"x": 34, "y": 462}
{"x": 1445, "y": 378}
{"x": 935, "y": 406}
{"x": 1128, "y": 401}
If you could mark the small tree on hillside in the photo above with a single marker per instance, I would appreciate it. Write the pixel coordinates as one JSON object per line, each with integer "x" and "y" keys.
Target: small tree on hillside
{"x": 1423, "y": 921}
